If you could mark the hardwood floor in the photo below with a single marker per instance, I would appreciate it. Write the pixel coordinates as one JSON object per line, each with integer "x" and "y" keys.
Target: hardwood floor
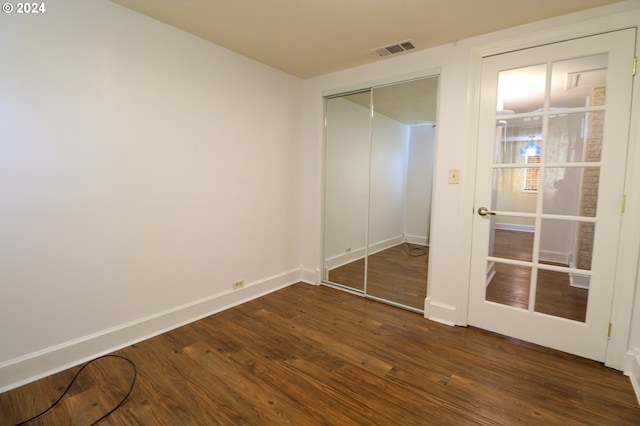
{"x": 313, "y": 355}
{"x": 397, "y": 274}
{"x": 350, "y": 275}
{"x": 398, "y": 277}
{"x": 510, "y": 286}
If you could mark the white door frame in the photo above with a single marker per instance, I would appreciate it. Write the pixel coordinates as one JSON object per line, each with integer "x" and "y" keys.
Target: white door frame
{"x": 618, "y": 356}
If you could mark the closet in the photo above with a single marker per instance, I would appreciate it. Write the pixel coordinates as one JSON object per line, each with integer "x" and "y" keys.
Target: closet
{"x": 379, "y": 158}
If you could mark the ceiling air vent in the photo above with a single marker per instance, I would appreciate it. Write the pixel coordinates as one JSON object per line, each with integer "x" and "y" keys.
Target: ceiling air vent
{"x": 400, "y": 47}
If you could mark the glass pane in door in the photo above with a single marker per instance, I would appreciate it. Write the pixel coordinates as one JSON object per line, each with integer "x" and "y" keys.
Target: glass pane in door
{"x": 579, "y": 82}
{"x": 530, "y": 181}
{"x": 517, "y": 137}
{"x": 508, "y": 284}
{"x": 512, "y": 238}
{"x": 571, "y": 191}
{"x": 557, "y": 295}
{"x": 515, "y": 189}
{"x": 521, "y": 90}
{"x": 566, "y": 250}
{"x": 567, "y": 139}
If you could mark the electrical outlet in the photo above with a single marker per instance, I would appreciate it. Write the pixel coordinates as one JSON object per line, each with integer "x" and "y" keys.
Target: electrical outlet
{"x": 238, "y": 284}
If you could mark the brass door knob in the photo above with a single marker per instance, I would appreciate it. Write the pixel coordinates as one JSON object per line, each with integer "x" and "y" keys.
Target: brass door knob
{"x": 483, "y": 211}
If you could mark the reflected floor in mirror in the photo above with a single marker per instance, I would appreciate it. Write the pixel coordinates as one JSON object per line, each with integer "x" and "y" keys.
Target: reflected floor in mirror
{"x": 397, "y": 274}
{"x": 510, "y": 285}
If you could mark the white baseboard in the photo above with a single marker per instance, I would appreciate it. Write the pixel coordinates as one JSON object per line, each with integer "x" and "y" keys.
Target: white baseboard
{"x": 385, "y": 244}
{"x": 579, "y": 281}
{"x": 556, "y": 257}
{"x": 515, "y": 227}
{"x": 634, "y": 372}
{"x": 359, "y": 253}
{"x": 34, "y": 366}
{"x": 440, "y": 312}
{"x": 310, "y": 276}
{"x": 416, "y": 239}
{"x": 344, "y": 258}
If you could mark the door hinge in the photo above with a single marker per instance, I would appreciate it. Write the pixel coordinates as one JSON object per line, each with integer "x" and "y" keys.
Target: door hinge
{"x": 623, "y": 203}
{"x": 609, "y": 331}
{"x": 635, "y": 66}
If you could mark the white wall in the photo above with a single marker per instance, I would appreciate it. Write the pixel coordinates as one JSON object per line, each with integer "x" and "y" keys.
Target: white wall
{"x": 419, "y": 182}
{"x": 347, "y": 156}
{"x": 453, "y": 206}
{"x": 142, "y": 172}
{"x": 364, "y": 168}
{"x": 389, "y": 158}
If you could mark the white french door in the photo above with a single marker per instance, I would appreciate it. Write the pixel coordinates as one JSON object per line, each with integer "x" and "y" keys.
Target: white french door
{"x": 552, "y": 144}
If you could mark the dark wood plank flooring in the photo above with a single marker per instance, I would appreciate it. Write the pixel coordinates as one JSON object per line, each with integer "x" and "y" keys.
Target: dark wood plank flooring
{"x": 313, "y": 355}
{"x": 349, "y": 275}
{"x": 397, "y": 274}
{"x": 511, "y": 284}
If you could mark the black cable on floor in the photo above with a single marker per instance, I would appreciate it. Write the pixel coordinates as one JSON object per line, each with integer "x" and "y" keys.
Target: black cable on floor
{"x": 413, "y": 251}
{"x": 133, "y": 382}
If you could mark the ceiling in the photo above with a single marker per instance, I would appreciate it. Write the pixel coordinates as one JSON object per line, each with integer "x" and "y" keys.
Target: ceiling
{"x": 519, "y": 90}
{"x": 411, "y": 102}
{"x": 307, "y": 38}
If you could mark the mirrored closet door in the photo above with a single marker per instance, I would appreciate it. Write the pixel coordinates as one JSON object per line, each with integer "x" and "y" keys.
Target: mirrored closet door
{"x": 379, "y": 154}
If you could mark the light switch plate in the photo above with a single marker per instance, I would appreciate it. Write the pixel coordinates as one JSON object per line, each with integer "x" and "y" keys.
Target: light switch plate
{"x": 454, "y": 176}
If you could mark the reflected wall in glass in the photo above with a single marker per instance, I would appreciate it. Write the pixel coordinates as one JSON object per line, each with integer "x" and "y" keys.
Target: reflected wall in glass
{"x": 522, "y": 90}
{"x": 509, "y": 192}
{"x": 571, "y": 191}
{"x": 512, "y": 238}
{"x": 567, "y": 242}
{"x": 380, "y": 149}
{"x": 573, "y": 81}
{"x": 347, "y": 148}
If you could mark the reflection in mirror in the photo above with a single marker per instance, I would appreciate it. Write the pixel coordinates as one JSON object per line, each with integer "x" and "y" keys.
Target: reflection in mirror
{"x": 347, "y": 145}
{"x": 378, "y": 177}
{"x": 402, "y": 155}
